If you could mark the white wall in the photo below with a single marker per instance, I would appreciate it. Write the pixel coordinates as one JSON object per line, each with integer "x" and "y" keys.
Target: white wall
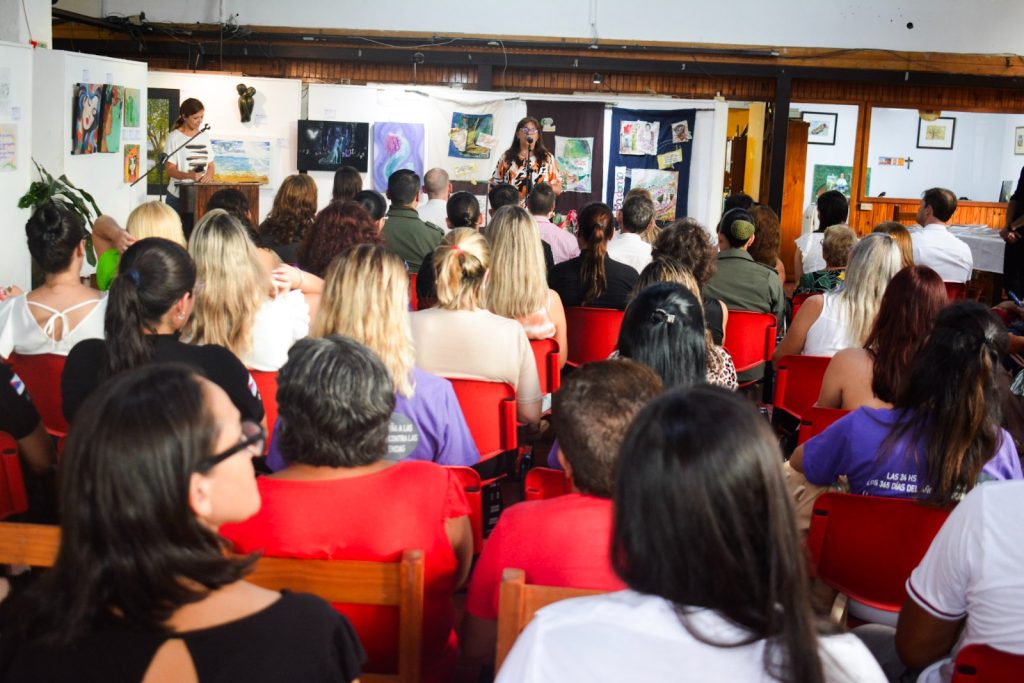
{"x": 992, "y": 26}
{"x": 22, "y": 21}
{"x": 16, "y": 109}
{"x": 839, "y": 154}
{"x": 274, "y": 116}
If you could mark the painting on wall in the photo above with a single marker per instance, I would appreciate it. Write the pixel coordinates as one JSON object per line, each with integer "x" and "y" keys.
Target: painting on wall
{"x": 113, "y": 111}
{"x": 837, "y": 178}
{"x": 241, "y": 161}
{"x": 396, "y": 146}
{"x": 471, "y": 136}
{"x": 8, "y": 146}
{"x": 575, "y": 157}
{"x": 161, "y": 111}
{"x": 131, "y": 163}
{"x": 1018, "y": 140}
{"x": 637, "y": 138}
{"x": 87, "y": 113}
{"x": 132, "y": 107}
{"x": 663, "y": 186}
{"x": 329, "y": 145}
{"x": 821, "y": 127}
{"x": 937, "y": 134}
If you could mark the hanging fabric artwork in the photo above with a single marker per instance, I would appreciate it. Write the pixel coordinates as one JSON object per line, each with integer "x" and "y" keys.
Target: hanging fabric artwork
{"x": 396, "y": 146}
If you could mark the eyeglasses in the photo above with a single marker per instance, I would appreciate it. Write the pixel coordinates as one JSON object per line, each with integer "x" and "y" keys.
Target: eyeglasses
{"x": 254, "y": 438}
{"x": 528, "y": 131}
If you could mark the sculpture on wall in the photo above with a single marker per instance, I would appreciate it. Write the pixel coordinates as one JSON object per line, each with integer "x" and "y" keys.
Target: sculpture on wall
{"x": 245, "y": 101}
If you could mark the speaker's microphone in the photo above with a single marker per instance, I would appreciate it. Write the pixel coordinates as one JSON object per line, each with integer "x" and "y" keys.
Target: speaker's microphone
{"x": 205, "y": 128}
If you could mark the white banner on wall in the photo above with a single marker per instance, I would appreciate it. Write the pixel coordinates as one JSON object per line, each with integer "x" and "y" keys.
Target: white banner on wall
{"x": 459, "y": 142}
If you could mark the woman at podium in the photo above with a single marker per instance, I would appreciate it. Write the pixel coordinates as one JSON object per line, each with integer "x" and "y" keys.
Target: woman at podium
{"x": 193, "y": 162}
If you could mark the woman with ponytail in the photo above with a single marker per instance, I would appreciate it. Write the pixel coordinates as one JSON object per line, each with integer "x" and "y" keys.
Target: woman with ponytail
{"x": 460, "y": 338}
{"x": 149, "y": 303}
{"x": 463, "y": 211}
{"x": 593, "y": 278}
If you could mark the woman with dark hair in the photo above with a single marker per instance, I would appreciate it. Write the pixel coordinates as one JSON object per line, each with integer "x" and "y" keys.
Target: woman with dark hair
{"x": 375, "y": 204}
{"x": 527, "y": 161}
{"x": 663, "y": 328}
{"x": 347, "y": 184}
{"x": 767, "y": 236}
{"x": 342, "y": 497}
{"x": 704, "y": 537}
{"x": 150, "y": 301}
{"x": 942, "y": 435}
{"x": 338, "y": 226}
{"x": 689, "y": 243}
{"x": 290, "y": 217}
{"x": 192, "y": 162}
{"x": 55, "y": 316}
{"x": 593, "y": 278}
{"x": 871, "y": 375}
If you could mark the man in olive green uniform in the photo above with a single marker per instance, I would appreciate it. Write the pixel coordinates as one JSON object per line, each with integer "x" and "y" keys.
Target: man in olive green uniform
{"x": 404, "y": 232}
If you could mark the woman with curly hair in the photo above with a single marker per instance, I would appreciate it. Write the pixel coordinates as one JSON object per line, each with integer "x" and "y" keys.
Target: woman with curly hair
{"x": 337, "y": 227}
{"x": 768, "y": 234}
{"x": 689, "y": 243}
{"x": 290, "y": 218}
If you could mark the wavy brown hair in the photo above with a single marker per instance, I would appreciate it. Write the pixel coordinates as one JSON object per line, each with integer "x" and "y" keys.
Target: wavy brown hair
{"x": 539, "y": 150}
{"x": 765, "y": 248}
{"x": 688, "y": 242}
{"x": 293, "y": 211}
{"x": 596, "y": 227}
{"x": 338, "y": 226}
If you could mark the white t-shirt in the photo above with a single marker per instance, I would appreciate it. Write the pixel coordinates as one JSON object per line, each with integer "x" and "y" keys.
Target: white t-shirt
{"x": 943, "y": 252}
{"x": 19, "y": 330}
{"x": 192, "y": 157}
{"x": 810, "y": 251}
{"x": 973, "y": 570}
{"x": 627, "y": 636}
{"x": 279, "y": 323}
{"x": 629, "y": 248}
{"x": 434, "y": 211}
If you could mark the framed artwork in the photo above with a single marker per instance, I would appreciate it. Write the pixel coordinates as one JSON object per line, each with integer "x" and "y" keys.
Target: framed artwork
{"x": 161, "y": 112}
{"x": 1018, "y": 140}
{"x": 396, "y": 146}
{"x": 87, "y": 117}
{"x": 821, "y": 127}
{"x": 329, "y": 145}
{"x": 110, "y": 125}
{"x": 937, "y": 134}
{"x": 131, "y": 107}
{"x": 241, "y": 160}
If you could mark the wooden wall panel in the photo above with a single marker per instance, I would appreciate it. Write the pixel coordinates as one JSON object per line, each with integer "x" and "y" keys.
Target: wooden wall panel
{"x": 791, "y": 219}
{"x": 967, "y": 213}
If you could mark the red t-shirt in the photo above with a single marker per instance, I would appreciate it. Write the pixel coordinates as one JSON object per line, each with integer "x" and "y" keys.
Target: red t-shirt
{"x": 563, "y": 541}
{"x": 372, "y": 517}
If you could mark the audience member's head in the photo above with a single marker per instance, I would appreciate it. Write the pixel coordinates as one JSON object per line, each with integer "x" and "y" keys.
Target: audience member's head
{"x": 737, "y": 228}
{"x": 335, "y": 400}
{"x": 338, "y": 226}
{"x": 463, "y": 211}
{"x": 234, "y": 202}
{"x": 637, "y": 214}
{"x": 460, "y": 267}
{"x": 688, "y": 242}
{"x": 837, "y": 244}
{"x": 873, "y": 262}
{"x": 517, "y": 285}
{"x": 293, "y": 210}
{"x": 404, "y": 188}
{"x": 502, "y": 194}
{"x": 663, "y": 328}
{"x": 596, "y": 227}
{"x": 740, "y": 200}
{"x": 899, "y": 232}
{"x": 541, "y": 201}
{"x": 436, "y": 183}
{"x": 833, "y": 208}
{"x": 56, "y": 238}
{"x": 938, "y": 203}
{"x": 768, "y": 236}
{"x": 155, "y": 219}
{"x": 347, "y": 184}
{"x": 664, "y": 269}
{"x": 591, "y": 412}
{"x": 375, "y": 204}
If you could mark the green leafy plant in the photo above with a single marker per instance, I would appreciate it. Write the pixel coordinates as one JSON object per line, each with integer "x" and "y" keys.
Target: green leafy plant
{"x": 65, "y": 194}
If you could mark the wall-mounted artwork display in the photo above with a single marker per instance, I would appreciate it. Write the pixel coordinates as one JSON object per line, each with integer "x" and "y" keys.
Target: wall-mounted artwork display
{"x": 87, "y": 111}
{"x": 396, "y": 146}
{"x": 161, "y": 112}
{"x": 132, "y": 107}
{"x": 838, "y": 178}
{"x": 663, "y": 186}
{"x": 241, "y": 161}
{"x": 329, "y": 145}
{"x": 937, "y": 134}
{"x": 471, "y": 136}
{"x": 821, "y": 127}
{"x": 113, "y": 111}
{"x": 131, "y": 163}
{"x": 8, "y": 146}
{"x": 575, "y": 157}
{"x": 637, "y": 138}
{"x": 1018, "y": 140}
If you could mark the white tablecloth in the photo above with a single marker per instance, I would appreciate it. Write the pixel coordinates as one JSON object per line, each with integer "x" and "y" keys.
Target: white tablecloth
{"x": 985, "y": 243}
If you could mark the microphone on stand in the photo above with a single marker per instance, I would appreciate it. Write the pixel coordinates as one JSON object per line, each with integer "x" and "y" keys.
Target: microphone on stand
{"x": 205, "y": 128}
{"x": 529, "y": 165}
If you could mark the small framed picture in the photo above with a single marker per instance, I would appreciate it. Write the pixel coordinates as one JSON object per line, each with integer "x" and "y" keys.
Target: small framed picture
{"x": 1018, "y": 140}
{"x": 937, "y": 134}
{"x": 821, "y": 127}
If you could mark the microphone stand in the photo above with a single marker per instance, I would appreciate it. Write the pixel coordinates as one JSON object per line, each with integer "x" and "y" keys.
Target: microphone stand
{"x": 161, "y": 161}
{"x": 529, "y": 166}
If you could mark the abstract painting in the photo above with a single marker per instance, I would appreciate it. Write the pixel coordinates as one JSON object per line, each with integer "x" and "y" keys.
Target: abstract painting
{"x": 471, "y": 136}
{"x": 575, "y": 157}
{"x": 663, "y": 186}
{"x": 161, "y": 112}
{"x": 132, "y": 107}
{"x": 396, "y": 146}
{"x": 131, "y": 163}
{"x": 113, "y": 108}
{"x": 329, "y": 145}
{"x": 87, "y": 111}
{"x": 241, "y": 161}
{"x": 638, "y": 138}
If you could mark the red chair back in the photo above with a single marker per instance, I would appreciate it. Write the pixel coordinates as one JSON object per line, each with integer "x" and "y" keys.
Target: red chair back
{"x": 473, "y": 486}
{"x": 13, "y": 499}
{"x": 750, "y": 338}
{"x": 593, "y": 333}
{"x": 956, "y": 290}
{"x": 797, "y": 302}
{"x": 545, "y": 352}
{"x": 866, "y": 546}
{"x": 266, "y": 382}
{"x": 41, "y": 375}
{"x": 490, "y": 412}
{"x": 798, "y": 383}
{"x": 817, "y": 419}
{"x": 543, "y": 483}
{"x": 414, "y": 304}
{"x": 984, "y": 664}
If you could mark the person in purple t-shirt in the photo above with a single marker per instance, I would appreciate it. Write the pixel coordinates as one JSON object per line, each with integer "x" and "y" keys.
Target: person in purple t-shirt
{"x": 942, "y": 435}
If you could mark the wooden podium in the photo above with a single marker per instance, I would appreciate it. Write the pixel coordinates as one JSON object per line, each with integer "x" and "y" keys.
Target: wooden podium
{"x": 194, "y": 196}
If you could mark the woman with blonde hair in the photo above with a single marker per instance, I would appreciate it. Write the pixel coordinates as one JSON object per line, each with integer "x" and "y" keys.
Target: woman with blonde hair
{"x": 151, "y": 219}
{"x": 460, "y": 338}
{"x": 517, "y": 286}
{"x": 238, "y": 304}
{"x": 290, "y": 217}
{"x": 827, "y": 323}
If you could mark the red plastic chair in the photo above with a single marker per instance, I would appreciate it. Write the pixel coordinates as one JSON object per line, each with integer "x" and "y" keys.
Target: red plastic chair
{"x": 414, "y": 304}
{"x": 956, "y": 290}
{"x": 13, "y": 499}
{"x": 593, "y": 333}
{"x": 797, "y": 302}
{"x": 473, "y": 486}
{"x": 798, "y": 383}
{"x": 490, "y": 412}
{"x": 984, "y": 664}
{"x": 750, "y": 338}
{"x": 266, "y": 382}
{"x": 545, "y": 352}
{"x": 817, "y": 420}
{"x": 543, "y": 482}
{"x": 866, "y": 546}
{"x": 41, "y": 375}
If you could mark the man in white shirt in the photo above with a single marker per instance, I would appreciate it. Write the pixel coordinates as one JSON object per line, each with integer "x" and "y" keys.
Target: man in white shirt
{"x": 541, "y": 204}
{"x": 437, "y": 188}
{"x": 628, "y": 247}
{"x": 934, "y": 246}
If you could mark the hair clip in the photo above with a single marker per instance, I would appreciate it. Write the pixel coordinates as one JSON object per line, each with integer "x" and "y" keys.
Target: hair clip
{"x": 457, "y": 249}
{"x": 133, "y": 275}
{"x": 664, "y": 317}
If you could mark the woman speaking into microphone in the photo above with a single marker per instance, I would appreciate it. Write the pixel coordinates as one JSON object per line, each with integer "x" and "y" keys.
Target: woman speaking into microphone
{"x": 527, "y": 161}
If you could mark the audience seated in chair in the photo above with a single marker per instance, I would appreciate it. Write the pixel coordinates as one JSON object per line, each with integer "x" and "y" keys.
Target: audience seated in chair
{"x": 290, "y": 217}
{"x": 338, "y": 226}
{"x": 934, "y": 246}
{"x": 152, "y": 219}
{"x": 405, "y": 233}
{"x": 686, "y": 241}
{"x": 628, "y": 248}
{"x": 463, "y": 212}
{"x": 836, "y": 246}
{"x": 831, "y": 208}
{"x": 541, "y": 205}
{"x": 767, "y": 236}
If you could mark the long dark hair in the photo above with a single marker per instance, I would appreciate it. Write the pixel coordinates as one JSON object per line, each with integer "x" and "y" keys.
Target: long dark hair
{"x": 539, "y": 150}
{"x": 663, "y": 328}
{"x": 702, "y": 519}
{"x": 130, "y": 544}
{"x": 951, "y": 396}
{"x": 53, "y": 234}
{"x": 189, "y": 107}
{"x": 596, "y": 228}
{"x": 153, "y": 274}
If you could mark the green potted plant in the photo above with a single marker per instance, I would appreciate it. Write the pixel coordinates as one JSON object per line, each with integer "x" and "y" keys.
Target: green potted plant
{"x": 63, "y": 192}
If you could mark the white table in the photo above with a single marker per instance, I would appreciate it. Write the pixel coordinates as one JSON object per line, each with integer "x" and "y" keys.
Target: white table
{"x": 985, "y": 243}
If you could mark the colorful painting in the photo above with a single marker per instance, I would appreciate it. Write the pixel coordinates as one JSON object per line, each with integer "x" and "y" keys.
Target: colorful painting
{"x": 8, "y": 146}
{"x": 132, "y": 106}
{"x": 87, "y": 112}
{"x": 575, "y": 157}
{"x": 113, "y": 108}
{"x": 241, "y": 161}
{"x": 838, "y": 178}
{"x": 471, "y": 136}
{"x": 396, "y": 146}
{"x": 131, "y": 163}
{"x": 329, "y": 145}
{"x": 681, "y": 132}
{"x": 639, "y": 137}
{"x": 161, "y": 111}
{"x": 663, "y": 186}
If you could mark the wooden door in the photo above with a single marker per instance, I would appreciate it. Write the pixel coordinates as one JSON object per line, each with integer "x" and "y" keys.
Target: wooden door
{"x": 793, "y": 191}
